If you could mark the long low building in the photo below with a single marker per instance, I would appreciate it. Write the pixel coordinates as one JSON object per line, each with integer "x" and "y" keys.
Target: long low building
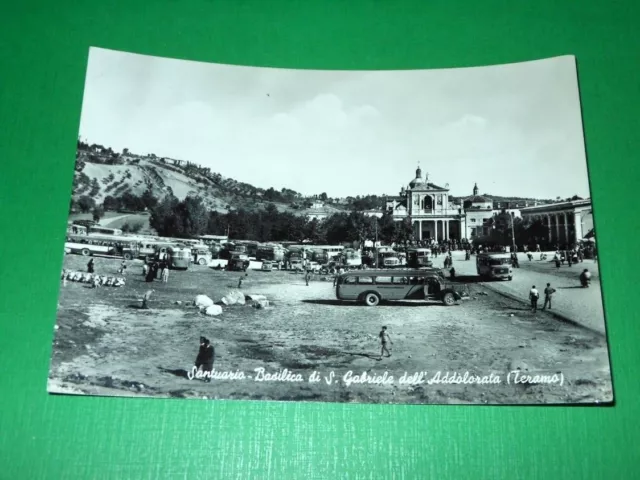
{"x": 568, "y": 222}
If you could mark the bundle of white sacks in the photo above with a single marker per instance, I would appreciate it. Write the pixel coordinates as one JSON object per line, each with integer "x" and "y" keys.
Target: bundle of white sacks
{"x": 92, "y": 278}
{"x": 235, "y": 297}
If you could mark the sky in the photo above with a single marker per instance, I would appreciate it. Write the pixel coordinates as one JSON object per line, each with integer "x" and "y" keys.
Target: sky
{"x": 514, "y": 129}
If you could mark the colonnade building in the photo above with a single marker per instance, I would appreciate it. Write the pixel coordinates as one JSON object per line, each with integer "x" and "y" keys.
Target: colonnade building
{"x": 568, "y": 222}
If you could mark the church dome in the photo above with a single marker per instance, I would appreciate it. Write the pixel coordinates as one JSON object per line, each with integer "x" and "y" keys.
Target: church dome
{"x": 418, "y": 180}
{"x": 479, "y": 199}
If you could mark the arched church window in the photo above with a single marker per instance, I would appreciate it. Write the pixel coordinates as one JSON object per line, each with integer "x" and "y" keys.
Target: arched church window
{"x": 427, "y": 203}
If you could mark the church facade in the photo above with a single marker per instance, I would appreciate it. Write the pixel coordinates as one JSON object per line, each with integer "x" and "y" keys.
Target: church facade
{"x": 433, "y": 215}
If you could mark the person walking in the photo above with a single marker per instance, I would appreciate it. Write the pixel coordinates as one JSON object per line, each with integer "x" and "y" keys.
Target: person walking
{"x": 534, "y": 296}
{"x": 384, "y": 339}
{"x": 548, "y": 292}
{"x": 205, "y": 358}
{"x": 145, "y": 268}
{"x": 569, "y": 255}
{"x": 557, "y": 262}
{"x": 306, "y": 277}
{"x": 123, "y": 268}
{"x": 90, "y": 268}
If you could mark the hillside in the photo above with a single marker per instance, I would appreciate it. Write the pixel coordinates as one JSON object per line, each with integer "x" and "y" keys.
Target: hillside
{"x": 102, "y": 174}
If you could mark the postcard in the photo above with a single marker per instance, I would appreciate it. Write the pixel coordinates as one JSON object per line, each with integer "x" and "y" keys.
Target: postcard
{"x": 408, "y": 237}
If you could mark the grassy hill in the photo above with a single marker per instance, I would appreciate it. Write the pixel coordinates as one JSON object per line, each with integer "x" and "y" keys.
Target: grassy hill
{"x": 99, "y": 175}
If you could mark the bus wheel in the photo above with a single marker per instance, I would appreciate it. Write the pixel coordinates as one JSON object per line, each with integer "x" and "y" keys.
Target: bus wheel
{"x": 86, "y": 252}
{"x": 449, "y": 299}
{"x": 371, "y": 299}
{"x": 202, "y": 261}
{"x": 127, "y": 256}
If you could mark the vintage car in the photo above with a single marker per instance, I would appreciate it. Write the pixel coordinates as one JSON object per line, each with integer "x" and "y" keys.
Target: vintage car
{"x": 266, "y": 266}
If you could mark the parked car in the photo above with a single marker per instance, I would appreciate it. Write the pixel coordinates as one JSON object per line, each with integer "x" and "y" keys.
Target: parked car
{"x": 266, "y": 266}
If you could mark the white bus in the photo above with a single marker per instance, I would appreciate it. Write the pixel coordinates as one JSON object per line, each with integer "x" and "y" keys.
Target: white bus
{"x": 494, "y": 266}
{"x": 97, "y": 229}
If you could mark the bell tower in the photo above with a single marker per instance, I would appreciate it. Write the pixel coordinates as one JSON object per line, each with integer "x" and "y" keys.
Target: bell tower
{"x": 475, "y": 189}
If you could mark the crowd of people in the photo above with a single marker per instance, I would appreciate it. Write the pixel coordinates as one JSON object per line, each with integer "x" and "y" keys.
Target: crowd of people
{"x": 155, "y": 270}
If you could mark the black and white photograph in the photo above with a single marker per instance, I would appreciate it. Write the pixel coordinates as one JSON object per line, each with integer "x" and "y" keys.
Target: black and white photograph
{"x": 396, "y": 237}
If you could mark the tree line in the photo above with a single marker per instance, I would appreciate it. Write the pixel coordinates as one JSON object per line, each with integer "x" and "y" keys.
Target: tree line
{"x": 190, "y": 218}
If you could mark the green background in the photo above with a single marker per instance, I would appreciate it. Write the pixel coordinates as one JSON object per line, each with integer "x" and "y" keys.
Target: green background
{"x": 43, "y": 52}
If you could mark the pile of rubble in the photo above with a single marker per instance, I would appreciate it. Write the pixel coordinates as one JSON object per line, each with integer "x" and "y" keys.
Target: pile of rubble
{"x": 235, "y": 297}
{"x": 92, "y": 278}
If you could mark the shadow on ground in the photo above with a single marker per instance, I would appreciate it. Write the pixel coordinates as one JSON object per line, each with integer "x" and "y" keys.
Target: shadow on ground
{"x": 347, "y": 303}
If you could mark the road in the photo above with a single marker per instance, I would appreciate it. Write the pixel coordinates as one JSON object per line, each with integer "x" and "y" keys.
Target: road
{"x": 583, "y": 306}
{"x": 106, "y": 222}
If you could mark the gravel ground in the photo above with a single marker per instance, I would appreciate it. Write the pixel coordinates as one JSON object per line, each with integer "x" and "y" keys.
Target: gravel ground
{"x": 105, "y": 345}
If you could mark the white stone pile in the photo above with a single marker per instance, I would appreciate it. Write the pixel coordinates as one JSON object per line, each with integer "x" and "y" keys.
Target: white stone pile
{"x": 92, "y": 279}
{"x": 235, "y": 297}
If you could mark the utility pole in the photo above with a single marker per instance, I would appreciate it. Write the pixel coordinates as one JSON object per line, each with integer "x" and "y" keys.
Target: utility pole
{"x": 513, "y": 235}
{"x": 375, "y": 245}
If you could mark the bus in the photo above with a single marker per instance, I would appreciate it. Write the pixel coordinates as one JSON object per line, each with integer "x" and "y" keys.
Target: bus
{"x": 201, "y": 254}
{"x": 213, "y": 239}
{"x": 270, "y": 252}
{"x": 179, "y": 257}
{"x": 104, "y": 230}
{"x": 127, "y": 247}
{"x": 352, "y": 257}
{"x": 372, "y": 286}
{"x": 388, "y": 258}
{"x": 419, "y": 258}
{"x": 319, "y": 253}
{"x": 86, "y": 246}
{"x": 73, "y": 229}
{"x": 494, "y": 266}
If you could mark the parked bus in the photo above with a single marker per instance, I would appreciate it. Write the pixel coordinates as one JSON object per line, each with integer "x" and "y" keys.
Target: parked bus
{"x": 372, "y": 286}
{"x": 213, "y": 239}
{"x": 74, "y": 229}
{"x": 270, "y": 252}
{"x": 419, "y": 258}
{"x": 388, "y": 258}
{"x": 127, "y": 247}
{"x": 97, "y": 229}
{"x": 86, "y": 246}
{"x": 352, "y": 257}
{"x": 179, "y": 257}
{"x": 238, "y": 262}
{"x": 494, "y": 266}
{"x": 201, "y": 255}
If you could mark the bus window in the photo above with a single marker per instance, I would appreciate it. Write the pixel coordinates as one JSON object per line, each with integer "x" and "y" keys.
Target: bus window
{"x": 433, "y": 285}
{"x": 400, "y": 280}
{"x": 362, "y": 280}
{"x": 350, "y": 280}
{"x": 383, "y": 280}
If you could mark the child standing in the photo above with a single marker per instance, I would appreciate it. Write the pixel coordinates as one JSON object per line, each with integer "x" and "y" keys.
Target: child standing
{"x": 384, "y": 339}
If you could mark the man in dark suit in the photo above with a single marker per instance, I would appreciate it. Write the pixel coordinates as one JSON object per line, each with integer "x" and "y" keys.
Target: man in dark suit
{"x": 204, "y": 360}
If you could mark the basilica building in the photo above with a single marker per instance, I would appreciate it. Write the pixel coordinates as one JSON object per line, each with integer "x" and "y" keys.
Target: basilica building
{"x": 433, "y": 215}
